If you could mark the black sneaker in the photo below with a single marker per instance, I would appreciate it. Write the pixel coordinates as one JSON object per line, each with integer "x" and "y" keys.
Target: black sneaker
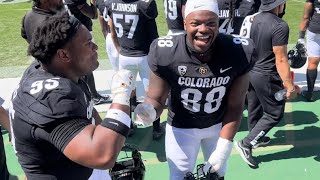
{"x": 157, "y": 133}
{"x": 307, "y": 95}
{"x": 99, "y": 99}
{"x": 262, "y": 142}
{"x": 246, "y": 153}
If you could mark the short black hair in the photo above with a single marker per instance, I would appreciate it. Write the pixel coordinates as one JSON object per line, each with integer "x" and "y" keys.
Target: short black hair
{"x": 52, "y": 35}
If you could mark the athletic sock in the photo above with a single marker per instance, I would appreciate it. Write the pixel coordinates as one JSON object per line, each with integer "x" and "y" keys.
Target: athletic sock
{"x": 311, "y": 78}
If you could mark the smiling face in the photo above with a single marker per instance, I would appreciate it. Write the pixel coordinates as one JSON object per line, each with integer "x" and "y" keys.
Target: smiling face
{"x": 202, "y": 29}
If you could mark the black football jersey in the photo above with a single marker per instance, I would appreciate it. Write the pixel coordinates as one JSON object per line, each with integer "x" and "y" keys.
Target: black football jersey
{"x": 101, "y": 5}
{"x": 241, "y": 9}
{"x": 134, "y": 22}
{"x": 41, "y": 103}
{"x": 199, "y": 90}
{"x": 314, "y": 25}
{"x": 32, "y": 20}
{"x": 72, "y": 7}
{"x": 173, "y": 13}
{"x": 267, "y": 30}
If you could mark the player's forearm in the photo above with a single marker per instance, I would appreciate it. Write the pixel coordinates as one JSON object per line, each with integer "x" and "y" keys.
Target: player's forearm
{"x": 99, "y": 146}
{"x": 231, "y": 122}
{"x": 107, "y": 152}
{"x": 304, "y": 25}
{"x": 235, "y": 105}
{"x": 103, "y": 26}
{"x": 308, "y": 11}
{"x": 283, "y": 69}
{"x": 4, "y": 119}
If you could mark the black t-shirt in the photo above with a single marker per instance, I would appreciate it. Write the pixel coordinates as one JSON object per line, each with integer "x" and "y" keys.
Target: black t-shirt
{"x": 101, "y": 5}
{"x": 73, "y": 9}
{"x": 173, "y": 13}
{"x": 267, "y": 30}
{"x": 135, "y": 24}
{"x": 314, "y": 25}
{"x": 242, "y": 8}
{"x": 32, "y": 20}
{"x": 49, "y": 111}
{"x": 199, "y": 90}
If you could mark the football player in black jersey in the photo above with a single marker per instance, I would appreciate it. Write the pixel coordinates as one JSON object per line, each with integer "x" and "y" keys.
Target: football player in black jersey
{"x": 233, "y": 12}
{"x": 41, "y": 9}
{"x": 112, "y": 52}
{"x": 135, "y": 26}
{"x": 310, "y": 25}
{"x": 85, "y": 12}
{"x": 205, "y": 75}
{"x": 270, "y": 73}
{"x": 174, "y": 13}
{"x": 52, "y": 112}
{"x": 4, "y": 123}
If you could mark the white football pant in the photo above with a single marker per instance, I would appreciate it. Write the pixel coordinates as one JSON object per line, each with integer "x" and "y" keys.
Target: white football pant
{"x": 135, "y": 65}
{"x": 313, "y": 44}
{"x": 112, "y": 53}
{"x": 183, "y": 145}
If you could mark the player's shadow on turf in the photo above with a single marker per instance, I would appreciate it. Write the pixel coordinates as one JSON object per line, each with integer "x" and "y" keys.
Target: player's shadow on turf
{"x": 299, "y": 98}
{"x": 297, "y": 118}
{"x": 305, "y": 144}
{"x": 294, "y": 118}
{"x": 142, "y": 139}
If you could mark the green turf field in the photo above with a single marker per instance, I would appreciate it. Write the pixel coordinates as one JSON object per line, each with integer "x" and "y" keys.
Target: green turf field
{"x": 293, "y": 154}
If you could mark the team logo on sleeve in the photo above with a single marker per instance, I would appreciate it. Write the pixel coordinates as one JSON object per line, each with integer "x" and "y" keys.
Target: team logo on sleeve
{"x": 203, "y": 70}
{"x": 182, "y": 70}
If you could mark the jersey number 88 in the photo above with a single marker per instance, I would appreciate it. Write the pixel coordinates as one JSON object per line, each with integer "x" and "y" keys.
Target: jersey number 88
{"x": 165, "y": 41}
{"x": 213, "y": 99}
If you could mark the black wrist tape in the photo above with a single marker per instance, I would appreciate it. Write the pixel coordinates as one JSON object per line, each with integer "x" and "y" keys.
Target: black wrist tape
{"x": 116, "y": 126}
{"x": 302, "y": 34}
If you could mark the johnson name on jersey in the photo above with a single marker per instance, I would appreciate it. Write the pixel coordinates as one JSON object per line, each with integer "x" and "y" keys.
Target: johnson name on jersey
{"x": 199, "y": 90}
{"x": 239, "y": 10}
{"x": 173, "y": 13}
{"x": 130, "y": 19}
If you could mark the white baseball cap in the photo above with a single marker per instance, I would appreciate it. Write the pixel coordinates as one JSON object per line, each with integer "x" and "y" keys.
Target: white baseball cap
{"x": 197, "y": 5}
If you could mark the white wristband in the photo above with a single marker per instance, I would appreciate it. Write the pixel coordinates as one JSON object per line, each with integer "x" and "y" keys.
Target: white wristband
{"x": 119, "y": 115}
